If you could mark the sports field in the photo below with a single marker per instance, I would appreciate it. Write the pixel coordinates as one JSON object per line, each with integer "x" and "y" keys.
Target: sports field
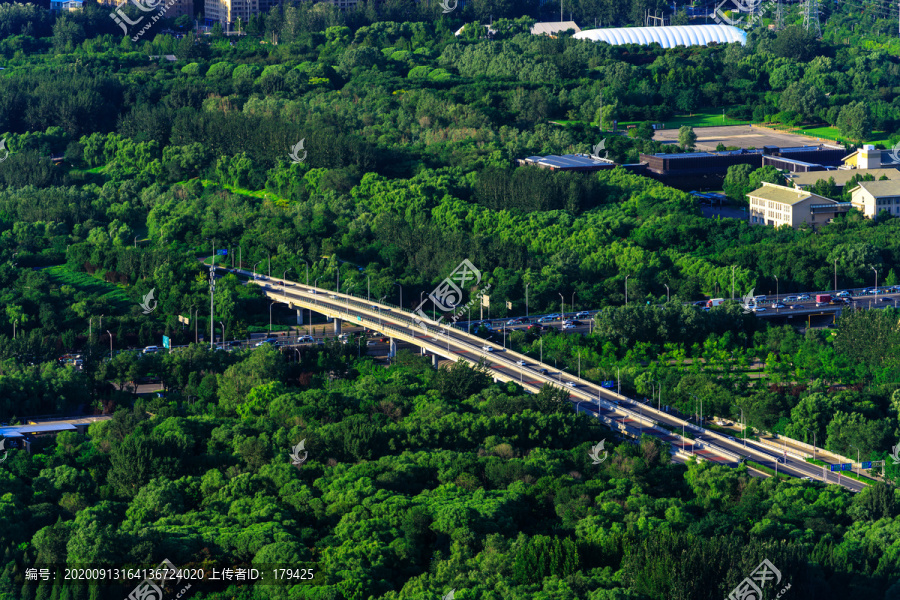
{"x": 741, "y": 136}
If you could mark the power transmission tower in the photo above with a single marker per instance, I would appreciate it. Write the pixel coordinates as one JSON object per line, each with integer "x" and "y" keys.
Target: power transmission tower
{"x": 779, "y": 16}
{"x": 811, "y": 18}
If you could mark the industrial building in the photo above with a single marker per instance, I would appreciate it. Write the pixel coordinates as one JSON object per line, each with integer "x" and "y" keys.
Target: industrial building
{"x": 693, "y": 170}
{"x": 872, "y": 197}
{"x": 776, "y": 205}
{"x": 667, "y": 37}
{"x": 584, "y": 163}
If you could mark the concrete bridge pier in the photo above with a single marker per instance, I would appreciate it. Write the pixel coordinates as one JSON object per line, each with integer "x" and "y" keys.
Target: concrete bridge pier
{"x": 434, "y": 360}
{"x": 392, "y": 352}
{"x": 299, "y": 316}
{"x": 337, "y": 326}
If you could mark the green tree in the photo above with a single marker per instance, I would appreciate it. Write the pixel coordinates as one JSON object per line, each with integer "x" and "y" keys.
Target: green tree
{"x": 686, "y": 137}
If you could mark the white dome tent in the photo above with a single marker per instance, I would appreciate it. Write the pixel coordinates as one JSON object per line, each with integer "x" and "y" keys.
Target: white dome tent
{"x": 667, "y": 37}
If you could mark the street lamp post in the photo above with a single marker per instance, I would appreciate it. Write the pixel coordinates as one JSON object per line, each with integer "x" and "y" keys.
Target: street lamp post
{"x": 401, "y": 294}
{"x": 858, "y": 469}
{"x": 110, "y": 344}
{"x": 876, "y": 279}
{"x": 562, "y": 306}
{"x": 732, "y": 282}
{"x": 776, "y": 293}
{"x": 306, "y": 264}
{"x": 814, "y": 439}
{"x": 283, "y": 282}
{"x": 223, "y": 334}
{"x": 367, "y": 288}
{"x": 573, "y": 303}
{"x": 835, "y": 274}
{"x": 270, "y": 317}
{"x": 196, "y": 334}
{"x": 526, "y": 299}
{"x": 668, "y": 297}
{"x": 254, "y": 269}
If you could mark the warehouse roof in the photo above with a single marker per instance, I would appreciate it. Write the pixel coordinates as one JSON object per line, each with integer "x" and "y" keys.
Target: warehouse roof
{"x": 667, "y": 37}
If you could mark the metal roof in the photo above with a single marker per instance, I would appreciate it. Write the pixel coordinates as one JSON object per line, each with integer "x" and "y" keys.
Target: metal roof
{"x": 842, "y": 176}
{"x": 880, "y": 189}
{"x": 568, "y": 161}
{"x": 667, "y": 37}
{"x": 18, "y": 430}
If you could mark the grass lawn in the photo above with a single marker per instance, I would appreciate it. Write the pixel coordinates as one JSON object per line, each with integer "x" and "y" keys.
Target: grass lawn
{"x": 83, "y": 282}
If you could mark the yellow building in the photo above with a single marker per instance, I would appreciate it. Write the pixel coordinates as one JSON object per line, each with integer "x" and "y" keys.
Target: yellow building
{"x": 871, "y": 197}
{"x": 777, "y": 205}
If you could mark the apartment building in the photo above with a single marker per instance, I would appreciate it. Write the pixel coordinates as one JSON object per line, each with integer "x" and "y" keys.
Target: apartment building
{"x": 776, "y": 205}
{"x": 227, "y": 12}
{"x": 871, "y": 197}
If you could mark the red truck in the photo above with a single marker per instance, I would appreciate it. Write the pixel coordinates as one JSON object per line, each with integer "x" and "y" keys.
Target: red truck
{"x": 823, "y": 299}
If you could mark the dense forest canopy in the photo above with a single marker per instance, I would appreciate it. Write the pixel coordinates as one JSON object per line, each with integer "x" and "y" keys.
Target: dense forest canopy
{"x": 126, "y": 169}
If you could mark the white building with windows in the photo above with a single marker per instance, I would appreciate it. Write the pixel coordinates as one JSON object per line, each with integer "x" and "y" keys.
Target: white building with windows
{"x": 776, "y": 205}
{"x": 872, "y": 197}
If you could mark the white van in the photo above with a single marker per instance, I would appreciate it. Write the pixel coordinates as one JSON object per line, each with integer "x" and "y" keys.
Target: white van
{"x": 151, "y": 349}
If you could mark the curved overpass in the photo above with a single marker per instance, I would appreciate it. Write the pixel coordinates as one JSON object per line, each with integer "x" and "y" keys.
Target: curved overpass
{"x": 619, "y": 412}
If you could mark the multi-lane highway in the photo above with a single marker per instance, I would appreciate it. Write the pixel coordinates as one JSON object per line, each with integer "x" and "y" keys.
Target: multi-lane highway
{"x": 617, "y": 411}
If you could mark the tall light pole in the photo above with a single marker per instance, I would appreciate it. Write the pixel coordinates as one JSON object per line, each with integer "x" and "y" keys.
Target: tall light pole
{"x": 743, "y": 428}
{"x": 776, "y": 291}
{"x": 196, "y": 320}
{"x": 526, "y": 299}
{"x": 223, "y": 333}
{"x": 306, "y": 264}
{"x": 562, "y": 306}
{"x": 876, "y": 279}
{"x": 270, "y": 317}
{"x": 283, "y": 282}
{"x": 110, "y": 344}
{"x": 732, "y": 282}
{"x": 668, "y": 298}
{"x": 626, "y": 289}
{"x": 269, "y": 259}
{"x": 835, "y": 274}
{"x": 857, "y": 458}
{"x": 212, "y": 295}
{"x": 254, "y": 269}
{"x": 401, "y": 294}
{"x": 814, "y": 441}
{"x": 573, "y": 304}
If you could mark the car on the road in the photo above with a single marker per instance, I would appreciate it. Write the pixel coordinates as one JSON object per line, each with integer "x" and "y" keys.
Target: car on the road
{"x": 332, "y": 296}
{"x": 545, "y": 319}
{"x": 896, "y": 288}
{"x": 789, "y": 299}
{"x": 806, "y": 478}
{"x": 820, "y": 304}
{"x": 803, "y": 297}
{"x": 542, "y": 371}
{"x": 796, "y": 306}
{"x": 568, "y": 326}
{"x": 306, "y": 339}
{"x": 512, "y": 322}
{"x": 886, "y": 299}
{"x": 759, "y": 299}
{"x": 570, "y": 384}
{"x": 844, "y": 294}
{"x": 269, "y": 341}
{"x": 583, "y": 315}
{"x": 151, "y": 349}
{"x": 759, "y": 309}
{"x": 521, "y": 363}
{"x": 777, "y": 305}
{"x": 576, "y": 322}
{"x": 371, "y": 343}
{"x": 384, "y": 340}
{"x": 487, "y": 348}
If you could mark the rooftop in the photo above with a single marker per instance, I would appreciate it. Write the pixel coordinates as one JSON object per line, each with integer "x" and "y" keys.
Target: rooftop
{"x": 553, "y": 27}
{"x": 568, "y": 161}
{"x": 785, "y": 195}
{"x": 842, "y": 176}
{"x": 881, "y": 188}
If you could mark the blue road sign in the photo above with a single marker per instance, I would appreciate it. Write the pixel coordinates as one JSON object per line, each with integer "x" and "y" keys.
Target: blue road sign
{"x": 847, "y": 467}
{"x": 867, "y": 464}
{"x": 835, "y": 467}
{"x": 167, "y": 343}
{"x": 222, "y": 252}
{"x": 608, "y": 384}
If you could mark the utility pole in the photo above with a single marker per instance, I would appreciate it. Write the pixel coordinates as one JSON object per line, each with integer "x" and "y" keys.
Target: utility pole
{"x": 212, "y": 294}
